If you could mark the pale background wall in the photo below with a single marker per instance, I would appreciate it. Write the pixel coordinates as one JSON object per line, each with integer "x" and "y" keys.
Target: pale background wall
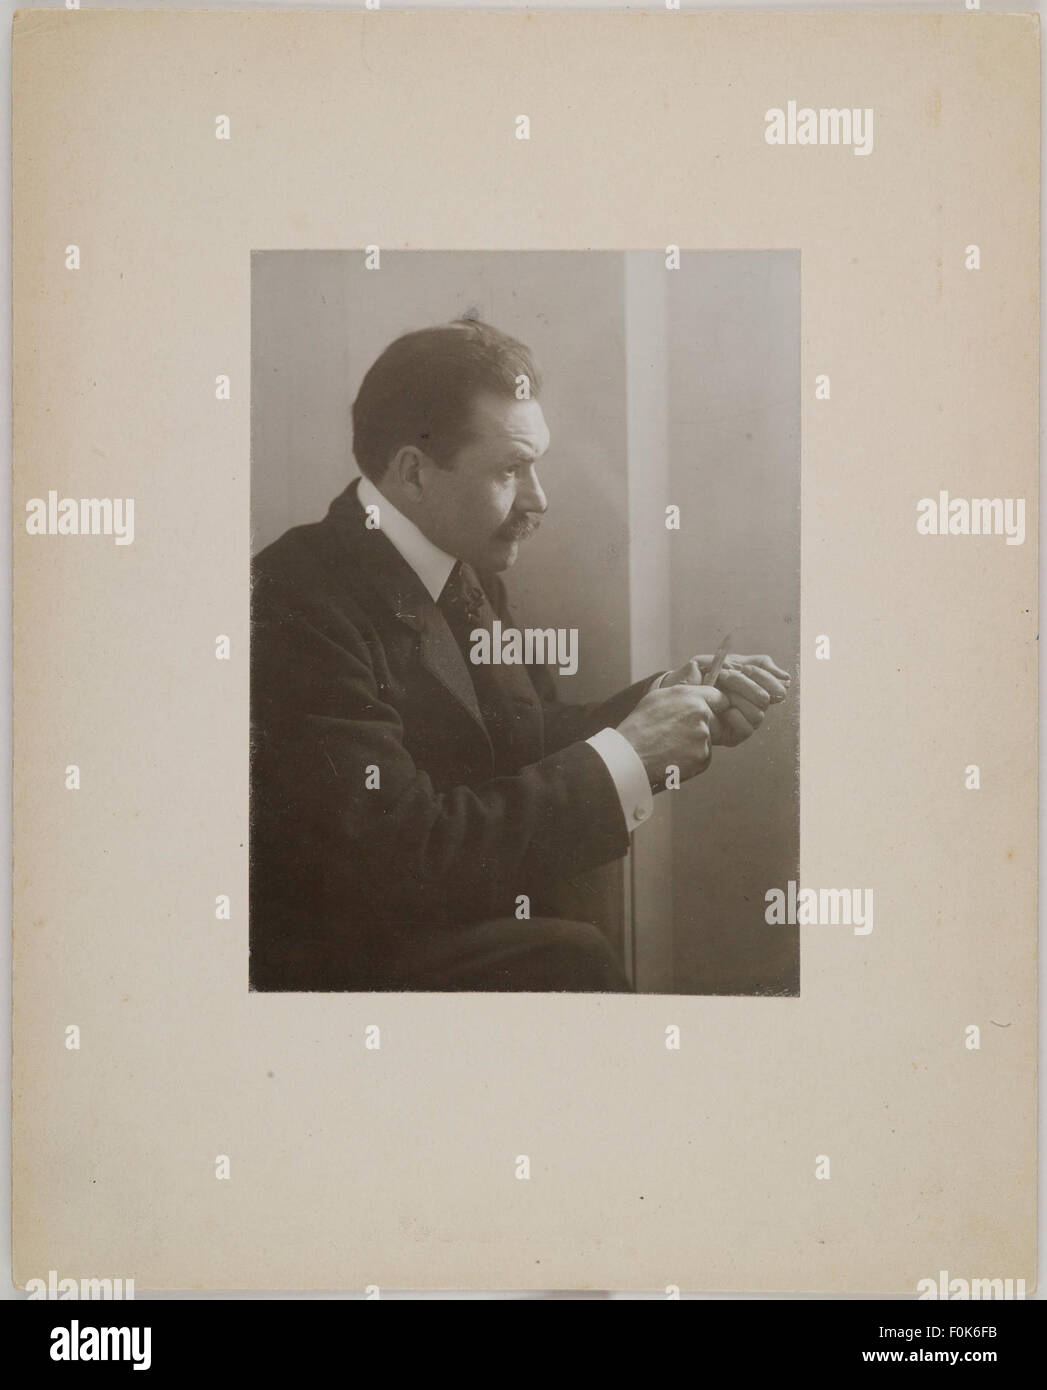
{"x": 689, "y": 397}
{"x": 734, "y": 438}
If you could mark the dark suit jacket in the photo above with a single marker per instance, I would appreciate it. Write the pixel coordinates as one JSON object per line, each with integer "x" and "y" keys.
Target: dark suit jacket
{"x": 353, "y": 667}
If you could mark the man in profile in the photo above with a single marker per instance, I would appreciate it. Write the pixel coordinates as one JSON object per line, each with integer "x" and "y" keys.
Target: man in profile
{"x": 405, "y": 801}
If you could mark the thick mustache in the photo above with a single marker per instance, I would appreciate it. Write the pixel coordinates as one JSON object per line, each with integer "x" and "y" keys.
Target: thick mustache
{"x": 520, "y": 529}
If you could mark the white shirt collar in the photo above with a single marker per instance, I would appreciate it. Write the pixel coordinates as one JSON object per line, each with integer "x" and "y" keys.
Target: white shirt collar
{"x": 432, "y": 565}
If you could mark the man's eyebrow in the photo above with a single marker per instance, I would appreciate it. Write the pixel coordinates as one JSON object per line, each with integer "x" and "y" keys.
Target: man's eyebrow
{"x": 526, "y": 451}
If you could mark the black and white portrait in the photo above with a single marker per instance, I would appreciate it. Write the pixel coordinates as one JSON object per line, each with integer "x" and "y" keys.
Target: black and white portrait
{"x": 524, "y": 620}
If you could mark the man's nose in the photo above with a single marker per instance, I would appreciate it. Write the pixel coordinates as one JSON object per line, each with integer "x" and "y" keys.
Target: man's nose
{"x": 530, "y": 497}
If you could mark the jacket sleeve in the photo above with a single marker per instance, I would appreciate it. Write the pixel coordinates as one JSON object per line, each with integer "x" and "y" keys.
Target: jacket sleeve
{"x": 335, "y": 788}
{"x": 565, "y": 723}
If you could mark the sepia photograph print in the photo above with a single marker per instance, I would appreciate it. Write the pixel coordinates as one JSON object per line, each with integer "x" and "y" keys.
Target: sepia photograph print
{"x": 506, "y": 506}
{"x": 525, "y": 621}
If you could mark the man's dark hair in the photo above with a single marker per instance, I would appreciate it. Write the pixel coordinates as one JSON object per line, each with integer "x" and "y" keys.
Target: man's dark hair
{"x": 420, "y": 390}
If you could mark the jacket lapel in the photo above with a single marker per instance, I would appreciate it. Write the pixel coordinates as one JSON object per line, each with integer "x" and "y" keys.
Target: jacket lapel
{"x": 525, "y": 725}
{"x": 441, "y": 657}
{"x": 389, "y": 575}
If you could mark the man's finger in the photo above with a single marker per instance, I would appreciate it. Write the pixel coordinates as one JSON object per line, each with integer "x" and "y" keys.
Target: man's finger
{"x": 768, "y": 663}
{"x": 736, "y": 727}
{"x": 774, "y": 687}
{"x": 751, "y": 713}
{"x": 736, "y": 682}
{"x": 689, "y": 674}
{"x": 719, "y": 701}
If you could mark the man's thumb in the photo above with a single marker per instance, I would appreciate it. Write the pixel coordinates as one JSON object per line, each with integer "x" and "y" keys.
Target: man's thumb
{"x": 717, "y": 701}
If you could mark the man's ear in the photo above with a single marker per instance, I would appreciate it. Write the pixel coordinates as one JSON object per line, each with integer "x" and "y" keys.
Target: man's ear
{"x": 407, "y": 467}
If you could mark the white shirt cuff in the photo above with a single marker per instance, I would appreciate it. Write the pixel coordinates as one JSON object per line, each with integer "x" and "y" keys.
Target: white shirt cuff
{"x": 628, "y": 773}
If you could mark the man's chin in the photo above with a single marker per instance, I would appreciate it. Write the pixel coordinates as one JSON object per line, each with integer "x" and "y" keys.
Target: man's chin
{"x": 503, "y": 554}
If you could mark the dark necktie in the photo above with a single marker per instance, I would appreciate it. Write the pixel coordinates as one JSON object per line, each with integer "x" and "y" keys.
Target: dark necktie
{"x": 466, "y": 608}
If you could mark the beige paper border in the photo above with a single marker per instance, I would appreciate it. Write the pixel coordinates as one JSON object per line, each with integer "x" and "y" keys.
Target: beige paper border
{"x": 649, "y": 1167}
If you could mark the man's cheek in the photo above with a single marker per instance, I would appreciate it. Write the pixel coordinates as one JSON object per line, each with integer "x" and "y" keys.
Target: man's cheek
{"x": 500, "y": 516}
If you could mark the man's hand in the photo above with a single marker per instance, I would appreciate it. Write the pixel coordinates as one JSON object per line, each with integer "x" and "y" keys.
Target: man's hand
{"x": 676, "y": 726}
{"x": 752, "y": 684}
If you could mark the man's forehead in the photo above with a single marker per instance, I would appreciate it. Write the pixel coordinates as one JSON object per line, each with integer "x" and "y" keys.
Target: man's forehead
{"x": 536, "y": 438}
{"x": 508, "y": 423}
